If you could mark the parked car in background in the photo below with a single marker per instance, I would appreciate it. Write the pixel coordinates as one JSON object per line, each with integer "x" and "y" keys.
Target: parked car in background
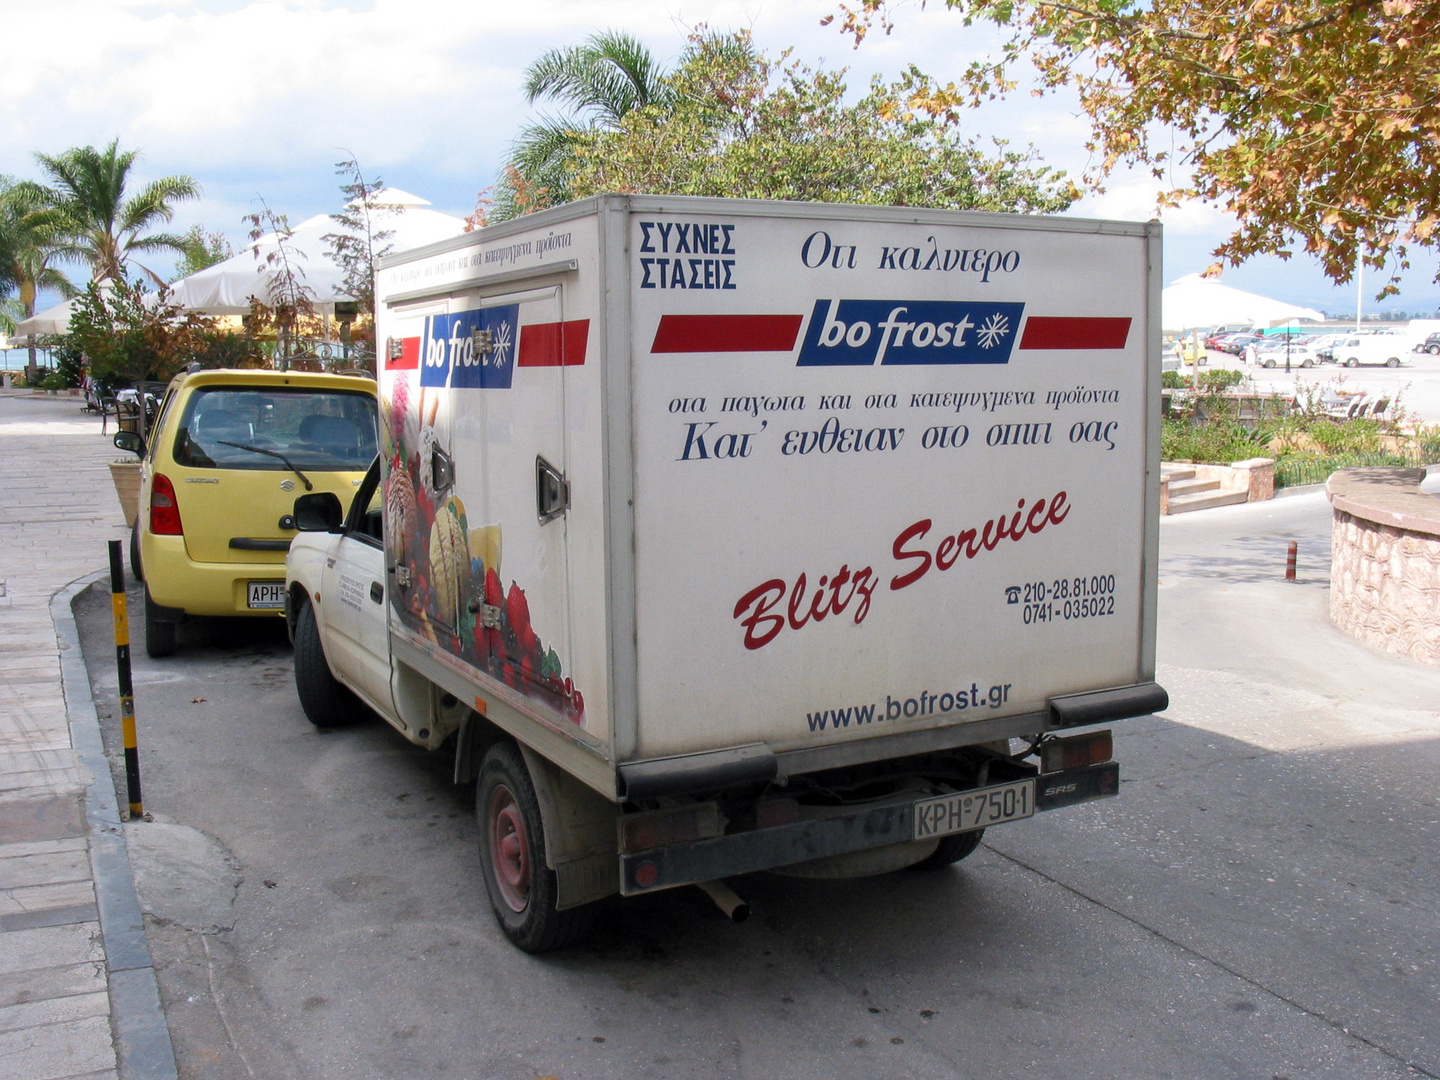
{"x": 1295, "y": 355}
{"x": 1235, "y": 343}
{"x": 1430, "y": 345}
{"x": 1374, "y": 350}
{"x": 1186, "y": 350}
{"x": 1323, "y": 346}
{"x": 225, "y": 459}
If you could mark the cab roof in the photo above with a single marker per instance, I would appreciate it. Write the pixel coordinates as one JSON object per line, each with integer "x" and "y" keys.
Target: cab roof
{"x": 313, "y": 380}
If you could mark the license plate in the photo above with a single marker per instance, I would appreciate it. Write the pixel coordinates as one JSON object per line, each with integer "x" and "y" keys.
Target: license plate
{"x": 267, "y": 594}
{"x": 967, "y": 810}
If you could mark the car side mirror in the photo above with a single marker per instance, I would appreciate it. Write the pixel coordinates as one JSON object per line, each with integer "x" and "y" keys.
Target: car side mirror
{"x": 131, "y": 441}
{"x": 319, "y": 511}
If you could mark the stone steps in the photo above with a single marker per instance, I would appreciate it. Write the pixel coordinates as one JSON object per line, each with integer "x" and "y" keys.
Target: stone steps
{"x": 1179, "y": 489}
{"x": 1206, "y": 499}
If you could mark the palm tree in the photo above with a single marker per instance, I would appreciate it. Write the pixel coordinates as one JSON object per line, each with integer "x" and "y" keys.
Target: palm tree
{"x": 30, "y": 241}
{"x": 599, "y": 81}
{"x": 104, "y": 227}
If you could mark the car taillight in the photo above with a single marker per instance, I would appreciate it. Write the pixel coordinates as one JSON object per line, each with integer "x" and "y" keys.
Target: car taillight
{"x": 164, "y": 510}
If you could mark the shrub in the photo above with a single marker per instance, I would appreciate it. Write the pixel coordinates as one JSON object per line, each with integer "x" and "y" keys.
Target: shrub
{"x": 1213, "y": 443}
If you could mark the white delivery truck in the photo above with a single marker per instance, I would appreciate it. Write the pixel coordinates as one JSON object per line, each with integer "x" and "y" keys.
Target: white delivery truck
{"x": 721, "y": 536}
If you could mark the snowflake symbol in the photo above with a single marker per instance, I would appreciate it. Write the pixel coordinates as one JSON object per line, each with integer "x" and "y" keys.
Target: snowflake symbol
{"x": 500, "y": 346}
{"x": 994, "y": 328}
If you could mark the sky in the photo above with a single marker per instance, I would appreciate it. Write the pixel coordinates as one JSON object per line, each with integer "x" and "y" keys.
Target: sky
{"x": 259, "y": 98}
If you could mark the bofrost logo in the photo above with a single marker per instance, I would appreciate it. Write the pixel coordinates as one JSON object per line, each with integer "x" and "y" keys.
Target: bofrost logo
{"x": 864, "y": 332}
{"x": 449, "y": 356}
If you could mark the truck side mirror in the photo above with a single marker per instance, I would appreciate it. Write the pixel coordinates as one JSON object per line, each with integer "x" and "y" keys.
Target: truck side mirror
{"x": 319, "y": 511}
{"x": 131, "y": 441}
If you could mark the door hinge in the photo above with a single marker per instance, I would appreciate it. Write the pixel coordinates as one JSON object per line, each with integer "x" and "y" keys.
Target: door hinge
{"x": 489, "y": 614}
{"x": 402, "y": 576}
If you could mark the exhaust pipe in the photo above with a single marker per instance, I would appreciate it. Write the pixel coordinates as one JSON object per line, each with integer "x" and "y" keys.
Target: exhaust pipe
{"x": 726, "y": 900}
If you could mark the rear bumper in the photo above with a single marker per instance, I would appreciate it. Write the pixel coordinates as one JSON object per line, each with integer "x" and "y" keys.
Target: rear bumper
{"x": 200, "y": 588}
{"x": 844, "y": 832}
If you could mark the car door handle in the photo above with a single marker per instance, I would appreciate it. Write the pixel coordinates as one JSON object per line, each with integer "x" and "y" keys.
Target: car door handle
{"x": 377, "y": 591}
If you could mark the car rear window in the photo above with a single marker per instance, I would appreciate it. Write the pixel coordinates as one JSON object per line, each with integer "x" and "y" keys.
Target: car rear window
{"x": 228, "y": 427}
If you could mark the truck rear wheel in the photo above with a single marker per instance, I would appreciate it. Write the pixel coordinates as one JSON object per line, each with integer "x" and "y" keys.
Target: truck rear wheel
{"x": 327, "y": 703}
{"x": 522, "y": 889}
{"x": 952, "y": 849}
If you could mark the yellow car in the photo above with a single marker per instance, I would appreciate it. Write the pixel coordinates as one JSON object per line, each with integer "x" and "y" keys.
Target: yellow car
{"x": 228, "y": 453}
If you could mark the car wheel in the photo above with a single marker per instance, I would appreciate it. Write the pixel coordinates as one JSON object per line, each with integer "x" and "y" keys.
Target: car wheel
{"x": 1433, "y": 350}
{"x": 1307, "y": 363}
{"x": 951, "y": 850}
{"x": 1394, "y": 361}
{"x": 522, "y": 889}
{"x": 1352, "y": 362}
{"x": 326, "y": 701}
{"x": 159, "y": 633}
{"x": 1268, "y": 364}
{"x": 135, "y": 570}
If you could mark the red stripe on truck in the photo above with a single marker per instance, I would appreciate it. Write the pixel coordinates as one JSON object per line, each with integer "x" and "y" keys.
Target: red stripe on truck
{"x": 726, "y": 333}
{"x": 1063, "y": 333}
{"x": 553, "y": 344}
{"x": 409, "y": 358}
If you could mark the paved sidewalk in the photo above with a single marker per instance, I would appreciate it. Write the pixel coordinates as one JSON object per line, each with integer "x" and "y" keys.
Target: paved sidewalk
{"x": 57, "y": 510}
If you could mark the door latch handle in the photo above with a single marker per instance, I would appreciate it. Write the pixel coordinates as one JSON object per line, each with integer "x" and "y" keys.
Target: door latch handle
{"x": 377, "y": 592}
{"x": 552, "y": 491}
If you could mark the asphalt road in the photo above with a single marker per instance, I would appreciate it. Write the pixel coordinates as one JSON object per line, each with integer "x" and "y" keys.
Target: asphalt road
{"x": 1258, "y": 903}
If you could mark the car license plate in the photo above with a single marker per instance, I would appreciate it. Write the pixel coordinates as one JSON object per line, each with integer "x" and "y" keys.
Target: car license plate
{"x": 267, "y": 594}
{"x": 967, "y": 810}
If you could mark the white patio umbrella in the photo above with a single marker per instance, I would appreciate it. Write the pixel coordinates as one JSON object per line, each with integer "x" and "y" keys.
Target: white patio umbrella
{"x": 55, "y": 320}
{"x": 226, "y": 287}
{"x": 1194, "y": 302}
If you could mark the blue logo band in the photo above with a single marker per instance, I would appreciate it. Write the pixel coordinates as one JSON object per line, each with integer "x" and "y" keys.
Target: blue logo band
{"x": 448, "y": 355}
{"x": 865, "y": 332}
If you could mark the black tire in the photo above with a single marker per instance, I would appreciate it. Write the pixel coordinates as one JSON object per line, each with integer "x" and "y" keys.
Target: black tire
{"x": 1433, "y": 350}
{"x": 1268, "y": 364}
{"x": 326, "y": 701}
{"x": 1394, "y": 361}
{"x": 952, "y": 849}
{"x": 135, "y": 569}
{"x": 1307, "y": 364}
{"x": 521, "y": 887}
{"x": 159, "y": 633}
{"x": 1352, "y": 362}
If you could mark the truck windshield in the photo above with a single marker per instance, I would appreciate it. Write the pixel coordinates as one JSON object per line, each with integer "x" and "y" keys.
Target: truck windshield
{"x": 323, "y": 430}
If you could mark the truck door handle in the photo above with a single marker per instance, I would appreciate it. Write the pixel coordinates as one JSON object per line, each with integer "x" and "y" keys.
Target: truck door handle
{"x": 377, "y": 591}
{"x": 552, "y": 491}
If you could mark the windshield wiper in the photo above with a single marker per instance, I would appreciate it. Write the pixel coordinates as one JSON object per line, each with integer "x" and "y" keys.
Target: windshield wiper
{"x": 271, "y": 453}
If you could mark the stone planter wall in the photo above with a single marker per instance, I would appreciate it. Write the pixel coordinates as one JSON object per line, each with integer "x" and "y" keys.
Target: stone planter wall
{"x": 1385, "y": 561}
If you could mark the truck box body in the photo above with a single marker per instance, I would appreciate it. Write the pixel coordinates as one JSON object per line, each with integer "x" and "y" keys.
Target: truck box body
{"x": 693, "y": 487}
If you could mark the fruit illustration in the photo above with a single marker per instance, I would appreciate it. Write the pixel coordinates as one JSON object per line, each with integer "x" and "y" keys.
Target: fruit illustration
{"x": 429, "y": 443}
{"x": 449, "y": 562}
{"x": 400, "y": 512}
{"x": 399, "y": 408}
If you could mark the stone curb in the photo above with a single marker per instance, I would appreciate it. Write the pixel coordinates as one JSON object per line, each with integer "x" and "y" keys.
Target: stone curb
{"x": 142, "y": 1035}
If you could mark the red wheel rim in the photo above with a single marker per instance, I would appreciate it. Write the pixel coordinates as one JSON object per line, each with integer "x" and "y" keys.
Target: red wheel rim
{"x": 509, "y": 849}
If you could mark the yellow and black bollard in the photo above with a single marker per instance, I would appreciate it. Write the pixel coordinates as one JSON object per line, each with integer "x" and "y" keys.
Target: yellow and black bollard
{"x": 127, "y": 688}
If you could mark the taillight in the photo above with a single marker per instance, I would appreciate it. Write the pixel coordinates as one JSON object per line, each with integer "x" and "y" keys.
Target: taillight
{"x": 164, "y": 510}
{"x": 1056, "y": 755}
